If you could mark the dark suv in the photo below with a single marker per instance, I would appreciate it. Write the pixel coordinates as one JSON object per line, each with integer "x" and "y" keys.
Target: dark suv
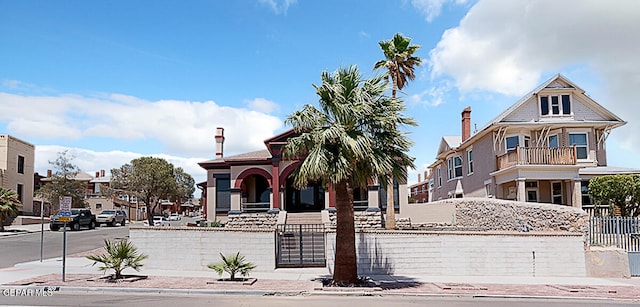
{"x": 79, "y": 217}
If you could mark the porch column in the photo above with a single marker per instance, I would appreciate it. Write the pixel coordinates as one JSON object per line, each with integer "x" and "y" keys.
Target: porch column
{"x": 235, "y": 201}
{"x": 209, "y": 204}
{"x": 576, "y": 200}
{"x": 373, "y": 198}
{"x": 275, "y": 184}
{"x": 521, "y": 194}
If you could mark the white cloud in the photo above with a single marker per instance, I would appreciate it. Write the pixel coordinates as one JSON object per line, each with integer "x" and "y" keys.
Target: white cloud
{"x": 91, "y": 161}
{"x": 183, "y": 128}
{"x": 433, "y": 96}
{"x": 432, "y": 8}
{"x": 262, "y": 105}
{"x": 279, "y": 6}
{"x": 507, "y": 46}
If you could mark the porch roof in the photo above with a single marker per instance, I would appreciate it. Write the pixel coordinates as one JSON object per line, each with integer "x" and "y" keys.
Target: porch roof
{"x": 608, "y": 170}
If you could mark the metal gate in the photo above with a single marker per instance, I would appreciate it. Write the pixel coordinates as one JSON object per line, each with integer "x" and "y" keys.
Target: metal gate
{"x": 300, "y": 245}
{"x": 622, "y": 232}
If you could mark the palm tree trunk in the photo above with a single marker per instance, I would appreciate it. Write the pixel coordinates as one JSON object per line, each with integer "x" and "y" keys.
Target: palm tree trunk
{"x": 345, "y": 270}
{"x": 390, "y": 220}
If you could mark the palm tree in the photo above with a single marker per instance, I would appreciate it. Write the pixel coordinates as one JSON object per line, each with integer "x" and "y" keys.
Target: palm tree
{"x": 8, "y": 205}
{"x": 119, "y": 256}
{"x": 341, "y": 141}
{"x": 400, "y": 63}
{"x": 232, "y": 265}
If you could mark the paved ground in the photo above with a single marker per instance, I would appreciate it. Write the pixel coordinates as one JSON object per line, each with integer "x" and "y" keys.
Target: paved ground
{"x": 81, "y": 275}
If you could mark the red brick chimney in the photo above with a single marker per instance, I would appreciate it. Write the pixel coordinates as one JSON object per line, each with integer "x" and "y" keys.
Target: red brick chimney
{"x": 419, "y": 178}
{"x": 466, "y": 123}
{"x": 219, "y": 142}
{"x": 97, "y": 174}
{"x": 101, "y": 173}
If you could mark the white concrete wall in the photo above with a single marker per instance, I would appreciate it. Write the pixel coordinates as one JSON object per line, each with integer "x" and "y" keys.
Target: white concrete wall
{"x": 395, "y": 252}
{"x": 191, "y": 249}
{"x": 467, "y": 254}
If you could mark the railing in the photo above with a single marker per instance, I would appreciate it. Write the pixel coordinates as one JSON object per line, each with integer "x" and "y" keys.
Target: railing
{"x": 255, "y": 207}
{"x": 596, "y": 211}
{"x": 360, "y": 205}
{"x": 622, "y": 232}
{"x": 537, "y": 156}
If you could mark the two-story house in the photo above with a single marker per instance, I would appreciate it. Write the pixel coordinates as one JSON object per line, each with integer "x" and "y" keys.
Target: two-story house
{"x": 419, "y": 192}
{"x": 17, "y": 168}
{"x": 544, "y": 148}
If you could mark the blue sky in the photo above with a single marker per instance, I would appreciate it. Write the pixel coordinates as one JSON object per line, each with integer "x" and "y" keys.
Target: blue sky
{"x": 113, "y": 80}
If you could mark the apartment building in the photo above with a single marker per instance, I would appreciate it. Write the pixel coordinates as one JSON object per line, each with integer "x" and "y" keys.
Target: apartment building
{"x": 17, "y": 168}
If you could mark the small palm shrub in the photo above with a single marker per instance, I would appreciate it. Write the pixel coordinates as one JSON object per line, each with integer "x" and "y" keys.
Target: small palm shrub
{"x": 233, "y": 265}
{"x": 119, "y": 256}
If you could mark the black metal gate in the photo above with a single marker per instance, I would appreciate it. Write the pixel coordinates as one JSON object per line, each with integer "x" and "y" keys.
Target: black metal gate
{"x": 300, "y": 245}
{"x": 622, "y": 232}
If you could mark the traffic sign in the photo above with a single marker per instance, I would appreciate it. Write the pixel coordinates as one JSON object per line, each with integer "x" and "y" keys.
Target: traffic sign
{"x": 65, "y": 209}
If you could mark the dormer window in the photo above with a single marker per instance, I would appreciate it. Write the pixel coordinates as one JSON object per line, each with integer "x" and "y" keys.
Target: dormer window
{"x": 555, "y": 105}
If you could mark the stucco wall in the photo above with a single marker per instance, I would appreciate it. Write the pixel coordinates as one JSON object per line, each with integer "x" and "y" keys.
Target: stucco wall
{"x": 191, "y": 248}
{"x": 466, "y": 254}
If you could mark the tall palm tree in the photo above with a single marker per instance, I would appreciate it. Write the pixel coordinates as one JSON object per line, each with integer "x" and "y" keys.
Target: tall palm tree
{"x": 400, "y": 64}
{"x": 8, "y": 205}
{"x": 341, "y": 141}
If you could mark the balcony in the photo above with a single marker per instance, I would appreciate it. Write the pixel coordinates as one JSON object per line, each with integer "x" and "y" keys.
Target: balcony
{"x": 537, "y": 156}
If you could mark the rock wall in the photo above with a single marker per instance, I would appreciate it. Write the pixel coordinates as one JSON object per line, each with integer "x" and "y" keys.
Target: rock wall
{"x": 488, "y": 214}
{"x": 362, "y": 219}
{"x": 252, "y": 220}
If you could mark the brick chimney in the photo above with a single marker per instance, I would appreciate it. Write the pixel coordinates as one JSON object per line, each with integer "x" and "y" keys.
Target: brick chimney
{"x": 97, "y": 174}
{"x": 101, "y": 173}
{"x": 466, "y": 123}
{"x": 219, "y": 142}
{"x": 425, "y": 175}
{"x": 48, "y": 173}
{"x": 419, "y": 178}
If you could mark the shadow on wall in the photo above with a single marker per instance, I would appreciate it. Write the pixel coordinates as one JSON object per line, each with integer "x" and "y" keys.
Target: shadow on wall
{"x": 371, "y": 259}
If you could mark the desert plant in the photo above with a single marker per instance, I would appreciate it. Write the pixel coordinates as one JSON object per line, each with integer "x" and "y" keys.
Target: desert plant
{"x": 233, "y": 265}
{"x": 8, "y": 205}
{"x": 119, "y": 256}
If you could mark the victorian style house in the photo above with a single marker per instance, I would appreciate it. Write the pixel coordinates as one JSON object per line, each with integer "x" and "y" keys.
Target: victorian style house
{"x": 544, "y": 148}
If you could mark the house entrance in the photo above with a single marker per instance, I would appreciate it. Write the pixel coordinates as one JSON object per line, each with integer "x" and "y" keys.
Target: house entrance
{"x": 309, "y": 199}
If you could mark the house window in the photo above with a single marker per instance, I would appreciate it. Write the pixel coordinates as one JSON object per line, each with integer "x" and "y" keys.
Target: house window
{"x": 470, "y": 159}
{"x": 98, "y": 206}
{"x": 512, "y": 142}
{"x": 20, "y": 165}
{"x": 531, "y": 188}
{"x": 556, "y": 192}
{"x": 455, "y": 167}
{"x": 439, "y": 177}
{"x": 553, "y": 141}
{"x": 580, "y": 141}
{"x": 586, "y": 198}
{"x": 555, "y": 105}
{"x": 19, "y": 189}
{"x": 223, "y": 192}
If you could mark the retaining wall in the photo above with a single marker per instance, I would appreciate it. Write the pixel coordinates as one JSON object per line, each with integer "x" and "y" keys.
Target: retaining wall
{"x": 379, "y": 252}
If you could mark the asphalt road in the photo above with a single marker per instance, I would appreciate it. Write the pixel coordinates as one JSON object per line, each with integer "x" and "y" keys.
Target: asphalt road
{"x": 155, "y": 299}
{"x": 26, "y": 247}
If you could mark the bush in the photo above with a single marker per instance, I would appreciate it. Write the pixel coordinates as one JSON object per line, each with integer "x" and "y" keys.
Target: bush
{"x": 233, "y": 265}
{"x": 119, "y": 256}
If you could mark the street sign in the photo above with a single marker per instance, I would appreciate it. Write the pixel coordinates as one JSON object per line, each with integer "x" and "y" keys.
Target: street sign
{"x": 65, "y": 209}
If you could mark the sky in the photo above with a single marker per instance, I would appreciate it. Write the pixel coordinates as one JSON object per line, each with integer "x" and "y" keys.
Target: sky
{"x": 110, "y": 81}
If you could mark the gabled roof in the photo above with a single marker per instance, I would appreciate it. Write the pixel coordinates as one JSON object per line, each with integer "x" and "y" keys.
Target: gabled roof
{"x": 449, "y": 142}
{"x": 557, "y": 78}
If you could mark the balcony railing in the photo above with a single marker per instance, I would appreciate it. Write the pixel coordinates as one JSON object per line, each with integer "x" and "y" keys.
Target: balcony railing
{"x": 255, "y": 207}
{"x": 537, "y": 156}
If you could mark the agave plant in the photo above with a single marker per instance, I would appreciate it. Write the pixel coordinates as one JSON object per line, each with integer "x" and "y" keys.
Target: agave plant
{"x": 233, "y": 265}
{"x": 119, "y": 256}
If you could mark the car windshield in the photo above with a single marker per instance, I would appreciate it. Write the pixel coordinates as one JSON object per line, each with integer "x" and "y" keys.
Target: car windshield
{"x": 108, "y": 212}
{"x": 157, "y": 217}
{"x": 75, "y": 211}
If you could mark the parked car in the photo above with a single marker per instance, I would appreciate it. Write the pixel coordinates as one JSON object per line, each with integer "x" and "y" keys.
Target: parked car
{"x": 78, "y": 218}
{"x": 111, "y": 217}
{"x": 158, "y": 221}
{"x": 174, "y": 216}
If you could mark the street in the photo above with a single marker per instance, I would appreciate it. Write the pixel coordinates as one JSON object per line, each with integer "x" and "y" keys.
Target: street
{"x": 26, "y": 247}
{"x": 155, "y": 299}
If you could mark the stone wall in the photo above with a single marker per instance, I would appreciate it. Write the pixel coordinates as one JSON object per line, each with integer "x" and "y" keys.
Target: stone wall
{"x": 362, "y": 220}
{"x": 488, "y": 214}
{"x": 252, "y": 220}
